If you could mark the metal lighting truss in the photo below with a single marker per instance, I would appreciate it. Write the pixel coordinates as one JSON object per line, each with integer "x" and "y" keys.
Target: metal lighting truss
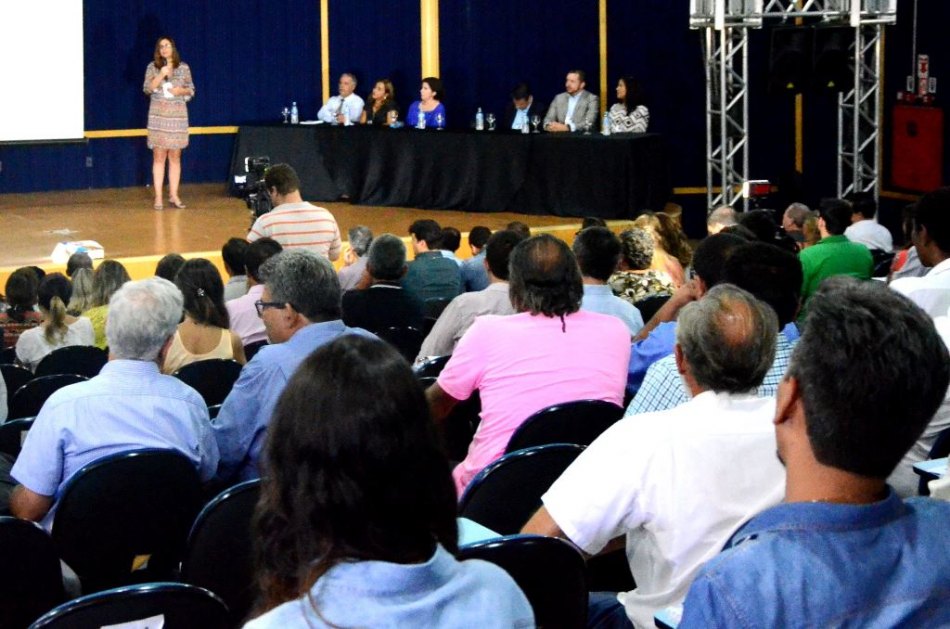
{"x": 726, "y": 49}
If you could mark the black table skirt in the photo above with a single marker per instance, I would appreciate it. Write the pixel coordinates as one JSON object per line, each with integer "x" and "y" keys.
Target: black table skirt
{"x": 618, "y": 176}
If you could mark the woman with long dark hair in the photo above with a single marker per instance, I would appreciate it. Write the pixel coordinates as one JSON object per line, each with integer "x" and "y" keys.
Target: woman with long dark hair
{"x": 204, "y": 332}
{"x": 356, "y": 522}
{"x": 381, "y": 108}
{"x": 169, "y": 86}
{"x": 59, "y": 329}
{"x": 630, "y": 113}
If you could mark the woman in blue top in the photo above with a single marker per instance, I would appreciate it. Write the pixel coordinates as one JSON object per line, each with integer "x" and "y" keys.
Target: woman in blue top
{"x": 356, "y": 522}
{"x": 430, "y": 104}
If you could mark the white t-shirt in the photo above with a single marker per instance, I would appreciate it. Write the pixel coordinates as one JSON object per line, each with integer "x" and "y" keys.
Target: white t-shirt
{"x": 931, "y": 292}
{"x": 677, "y": 483}
{"x": 32, "y": 345}
{"x": 871, "y": 234}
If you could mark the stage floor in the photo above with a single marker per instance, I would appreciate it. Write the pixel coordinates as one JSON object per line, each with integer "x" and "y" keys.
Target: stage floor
{"x": 124, "y": 223}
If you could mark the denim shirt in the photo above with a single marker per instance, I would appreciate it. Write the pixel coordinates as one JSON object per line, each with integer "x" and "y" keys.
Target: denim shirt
{"x": 819, "y": 564}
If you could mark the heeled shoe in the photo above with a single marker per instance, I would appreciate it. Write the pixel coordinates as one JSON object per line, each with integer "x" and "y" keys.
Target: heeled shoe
{"x": 158, "y": 206}
{"x": 177, "y": 204}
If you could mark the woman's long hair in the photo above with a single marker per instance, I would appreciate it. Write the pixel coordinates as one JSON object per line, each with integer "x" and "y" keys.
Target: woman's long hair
{"x": 634, "y": 97}
{"x": 21, "y": 293}
{"x": 108, "y": 278}
{"x": 200, "y": 283}
{"x": 157, "y": 58}
{"x": 667, "y": 234}
{"x": 352, "y": 471}
{"x": 81, "y": 299}
{"x": 54, "y": 293}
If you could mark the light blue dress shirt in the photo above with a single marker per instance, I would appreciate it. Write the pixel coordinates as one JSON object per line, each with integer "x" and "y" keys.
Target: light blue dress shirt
{"x": 130, "y": 405}
{"x": 571, "y": 106}
{"x": 600, "y": 298}
{"x": 442, "y": 592}
{"x": 474, "y": 275}
{"x": 241, "y": 424}
{"x": 818, "y": 564}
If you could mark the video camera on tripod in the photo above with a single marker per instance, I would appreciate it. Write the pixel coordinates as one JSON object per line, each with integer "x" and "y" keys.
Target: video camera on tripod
{"x": 253, "y": 189}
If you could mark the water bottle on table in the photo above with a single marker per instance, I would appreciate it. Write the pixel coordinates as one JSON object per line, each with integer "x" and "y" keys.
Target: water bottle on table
{"x": 346, "y": 115}
{"x": 605, "y": 125}
{"x": 294, "y": 114}
{"x": 479, "y": 120}
{"x": 421, "y": 120}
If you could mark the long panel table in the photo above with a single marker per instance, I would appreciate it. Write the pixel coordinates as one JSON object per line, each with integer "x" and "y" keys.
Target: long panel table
{"x": 617, "y": 176}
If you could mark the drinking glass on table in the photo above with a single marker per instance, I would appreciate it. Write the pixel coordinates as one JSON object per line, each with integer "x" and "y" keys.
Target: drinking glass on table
{"x": 286, "y": 112}
{"x": 392, "y": 116}
{"x": 439, "y": 121}
{"x": 491, "y": 121}
{"x": 535, "y": 121}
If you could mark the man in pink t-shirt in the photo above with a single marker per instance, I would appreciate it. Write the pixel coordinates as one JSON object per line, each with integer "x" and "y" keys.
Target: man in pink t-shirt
{"x": 548, "y": 353}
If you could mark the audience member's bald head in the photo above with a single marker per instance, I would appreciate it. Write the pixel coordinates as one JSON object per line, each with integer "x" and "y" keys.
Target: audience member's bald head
{"x": 722, "y": 216}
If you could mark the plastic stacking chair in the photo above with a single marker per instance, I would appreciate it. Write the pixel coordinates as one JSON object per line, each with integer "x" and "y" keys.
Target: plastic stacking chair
{"x": 180, "y": 606}
{"x": 31, "y": 581}
{"x": 124, "y": 519}
{"x": 8, "y": 355}
{"x": 550, "y": 572}
{"x": 458, "y": 428}
{"x": 432, "y": 367}
{"x": 211, "y": 378}
{"x": 85, "y": 360}
{"x": 504, "y": 495}
{"x": 433, "y": 307}
{"x": 940, "y": 449}
{"x": 14, "y": 376}
{"x": 574, "y": 422}
{"x": 650, "y": 305}
{"x": 12, "y": 434}
{"x": 218, "y": 556}
{"x": 29, "y": 399}
{"x": 406, "y": 339}
{"x": 252, "y": 348}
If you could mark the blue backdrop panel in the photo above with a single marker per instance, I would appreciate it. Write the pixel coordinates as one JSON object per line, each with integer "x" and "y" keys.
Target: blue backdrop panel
{"x": 487, "y": 46}
{"x": 651, "y": 41}
{"x": 382, "y": 42}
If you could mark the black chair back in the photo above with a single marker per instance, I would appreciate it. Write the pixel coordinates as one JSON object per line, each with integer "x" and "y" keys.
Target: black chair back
{"x": 124, "y": 519}
{"x": 31, "y": 581}
{"x": 650, "y": 305}
{"x": 573, "y": 422}
{"x": 550, "y": 572}
{"x": 85, "y": 360}
{"x": 14, "y": 376}
{"x": 218, "y": 556}
{"x": 12, "y": 434}
{"x": 432, "y": 308}
{"x": 882, "y": 262}
{"x": 432, "y": 367}
{"x": 252, "y": 348}
{"x": 504, "y": 495}
{"x": 8, "y": 355}
{"x": 181, "y": 606}
{"x": 406, "y": 339}
{"x": 458, "y": 428}
{"x": 211, "y": 378}
{"x": 29, "y": 399}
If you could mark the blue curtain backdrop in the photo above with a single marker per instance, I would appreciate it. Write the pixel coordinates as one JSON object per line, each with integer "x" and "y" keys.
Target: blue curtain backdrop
{"x": 251, "y": 58}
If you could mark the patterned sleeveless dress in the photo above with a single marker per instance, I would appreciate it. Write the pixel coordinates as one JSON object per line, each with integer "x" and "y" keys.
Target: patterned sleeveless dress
{"x": 168, "y": 117}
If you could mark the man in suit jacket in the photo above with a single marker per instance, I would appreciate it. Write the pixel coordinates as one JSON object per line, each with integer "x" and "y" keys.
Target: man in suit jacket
{"x": 574, "y": 110}
{"x": 384, "y": 304}
{"x": 522, "y": 106}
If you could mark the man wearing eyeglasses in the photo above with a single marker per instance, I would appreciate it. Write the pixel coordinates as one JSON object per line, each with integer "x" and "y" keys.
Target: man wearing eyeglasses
{"x": 300, "y": 308}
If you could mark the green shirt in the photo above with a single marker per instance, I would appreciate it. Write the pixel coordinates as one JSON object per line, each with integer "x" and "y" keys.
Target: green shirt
{"x": 834, "y": 255}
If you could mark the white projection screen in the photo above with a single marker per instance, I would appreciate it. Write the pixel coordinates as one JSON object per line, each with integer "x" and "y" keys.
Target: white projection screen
{"x": 41, "y": 93}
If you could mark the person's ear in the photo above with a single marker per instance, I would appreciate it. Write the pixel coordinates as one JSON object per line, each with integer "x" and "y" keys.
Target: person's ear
{"x": 788, "y": 400}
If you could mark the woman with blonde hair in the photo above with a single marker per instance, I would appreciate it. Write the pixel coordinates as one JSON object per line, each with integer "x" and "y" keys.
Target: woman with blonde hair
{"x": 671, "y": 252}
{"x": 108, "y": 278}
{"x": 204, "y": 333}
{"x": 81, "y": 299}
{"x": 58, "y": 328}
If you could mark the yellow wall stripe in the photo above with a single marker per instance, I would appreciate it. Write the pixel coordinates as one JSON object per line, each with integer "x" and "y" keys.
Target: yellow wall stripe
{"x": 141, "y": 133}
{"x": 325, "y": 48}
{"x": 429, "y": 22}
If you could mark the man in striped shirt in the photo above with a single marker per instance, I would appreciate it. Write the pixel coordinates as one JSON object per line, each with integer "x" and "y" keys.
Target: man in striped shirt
{"x": 293, "y": 222}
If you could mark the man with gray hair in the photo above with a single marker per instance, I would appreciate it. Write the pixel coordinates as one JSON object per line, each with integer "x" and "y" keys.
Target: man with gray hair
{"x": 130, "y": 405}
{"x": 354, "y": 260}
{"x": 723, "y": 216}
{"x": 300, "y": 306}
{"x": 384, "y": 304}
{"x": 345, "y": 105}
{"x": 677, "y": 483}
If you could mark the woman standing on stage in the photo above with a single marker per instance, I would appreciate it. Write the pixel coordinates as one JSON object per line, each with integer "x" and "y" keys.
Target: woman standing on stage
{"x": 169, "y": 85}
